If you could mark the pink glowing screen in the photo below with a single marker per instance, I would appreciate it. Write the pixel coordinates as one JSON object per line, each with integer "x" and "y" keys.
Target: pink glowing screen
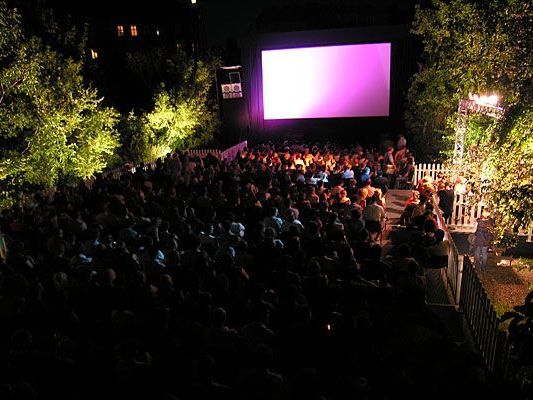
{"x": 327, "y": 81}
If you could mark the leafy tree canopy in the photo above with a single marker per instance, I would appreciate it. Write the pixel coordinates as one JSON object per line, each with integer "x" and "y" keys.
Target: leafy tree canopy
{"x": 469, "y": 47}
{"x": 185, "y": 111}
{"x": 52, "y": 125}
{"x": 479, "y": 47}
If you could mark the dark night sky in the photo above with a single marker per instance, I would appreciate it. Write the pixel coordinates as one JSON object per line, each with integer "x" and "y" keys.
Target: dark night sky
{"x": 232, "y": 18}
{"x": 223, "y": 18}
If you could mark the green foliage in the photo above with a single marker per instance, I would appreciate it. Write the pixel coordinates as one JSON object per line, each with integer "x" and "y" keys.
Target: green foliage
{"x": 509, "y": 191}
{"x": 52, "y": 126}
{"x": 9, "y": 29}
{"x": 469, "y": 46}
{"x": 479, "y": 47}
{"x": 185, "y": 115}
{"x": 134, "y": 142}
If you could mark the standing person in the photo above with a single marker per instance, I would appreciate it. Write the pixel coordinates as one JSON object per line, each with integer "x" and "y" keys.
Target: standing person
{"x": 388, "y": 160}
{"x": 389, "y": 165}
{"x": 374, "y": 216}
{"x": 402, "y": 142}
{"x": 483, "y": 238}
{"x": 446, "y": 196}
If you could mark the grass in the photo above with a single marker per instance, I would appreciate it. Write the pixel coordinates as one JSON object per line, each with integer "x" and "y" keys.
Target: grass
{"x": 507, "y": 286}
{"x": 524, "y": 263}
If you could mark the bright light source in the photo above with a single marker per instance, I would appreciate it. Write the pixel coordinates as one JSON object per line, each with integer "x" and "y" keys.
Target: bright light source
{"x": 491, "y": 100}
{"x": 193, "y": 1}
{"x": 94, "y": 54}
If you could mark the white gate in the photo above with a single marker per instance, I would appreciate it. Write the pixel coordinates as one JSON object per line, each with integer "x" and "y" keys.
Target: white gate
{"x": 432, "y": 170}
{"x": 465, "y": 211}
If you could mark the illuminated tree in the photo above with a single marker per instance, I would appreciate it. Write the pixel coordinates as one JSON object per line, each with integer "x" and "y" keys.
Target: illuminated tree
{"x": 469, "y": 47}
{"x": 52, "y": 125}
{"x": 185, "y": 114}
{"x": 509, "y": 173}
{"x": 479, "y": 47}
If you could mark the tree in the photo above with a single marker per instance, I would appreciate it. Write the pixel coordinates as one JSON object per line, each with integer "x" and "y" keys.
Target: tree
{"x": 469, "y": 46}
{"x": 52, "y": 125}
{"x": 508, "y": 188}
{"x": 479, "y": 47}
{"x": 185, "y": 112}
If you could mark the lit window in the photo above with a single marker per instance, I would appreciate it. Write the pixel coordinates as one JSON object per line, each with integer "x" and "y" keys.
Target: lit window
{"x": 94, "y": 54}
{"x": 133, "y": 30}
{"x": 120, "y": 30}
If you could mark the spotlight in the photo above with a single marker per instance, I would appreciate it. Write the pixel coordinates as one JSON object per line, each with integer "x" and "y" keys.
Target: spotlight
{"x": 490, "y": 100}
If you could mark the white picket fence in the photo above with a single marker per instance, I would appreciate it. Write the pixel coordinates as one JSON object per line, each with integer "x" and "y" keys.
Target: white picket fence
{"x": 432, "y": 170}
{"x": 202, "y": 153}
{"x": 227, "y": 155}
{"x": 465, "y": 211}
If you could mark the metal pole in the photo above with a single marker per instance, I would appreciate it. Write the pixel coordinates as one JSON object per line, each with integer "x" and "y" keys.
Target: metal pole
{"x": 460, "y": 130}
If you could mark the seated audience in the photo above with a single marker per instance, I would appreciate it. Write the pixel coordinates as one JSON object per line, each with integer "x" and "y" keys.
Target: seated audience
{"x": 197, "y": 278}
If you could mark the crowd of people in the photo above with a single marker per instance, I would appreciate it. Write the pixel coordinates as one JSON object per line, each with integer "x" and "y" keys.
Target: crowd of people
{"x": 419, "y": 208}
{"x": 259, "y": 278}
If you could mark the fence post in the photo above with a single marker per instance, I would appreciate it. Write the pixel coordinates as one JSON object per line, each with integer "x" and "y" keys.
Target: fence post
{"x": 459, "y": 278}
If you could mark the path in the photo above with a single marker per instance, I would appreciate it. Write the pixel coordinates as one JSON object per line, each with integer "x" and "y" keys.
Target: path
{"x": 437, "y": 297}
{"x": 394, "y": 201}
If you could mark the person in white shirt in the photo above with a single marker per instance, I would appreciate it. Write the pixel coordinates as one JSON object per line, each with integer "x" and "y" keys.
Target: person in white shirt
{"x": 348, "y": 172}
{"x": 374, "y": 216}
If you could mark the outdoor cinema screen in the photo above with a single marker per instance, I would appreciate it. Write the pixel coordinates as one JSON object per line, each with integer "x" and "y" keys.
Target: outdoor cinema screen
{"x": 327, "y": 81}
